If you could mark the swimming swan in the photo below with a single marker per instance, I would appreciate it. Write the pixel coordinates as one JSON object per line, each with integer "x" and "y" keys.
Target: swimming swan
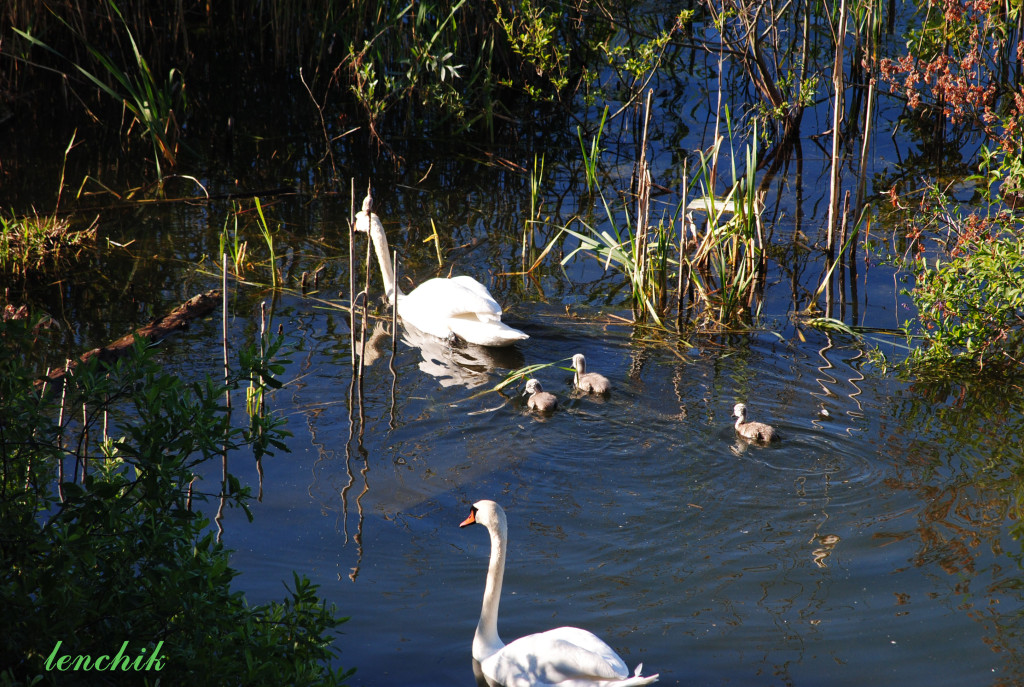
{"x": 567, "y": 656}
{"x": 440, "y": 307}
{"x": 591, "y": 382}
{"x": 539, "y": 399}
{"x": 755, "y": 431}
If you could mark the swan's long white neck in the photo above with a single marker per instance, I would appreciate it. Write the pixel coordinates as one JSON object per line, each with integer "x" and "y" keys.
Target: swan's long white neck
{"x": 375, "y": 229}
{"x": 486, "y": 640}
{"x": 741, "y": 419}
{"x": 581, "y": 368}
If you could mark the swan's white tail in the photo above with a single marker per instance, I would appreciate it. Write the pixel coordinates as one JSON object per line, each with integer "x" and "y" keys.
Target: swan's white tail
{"x": 638, "y": 679}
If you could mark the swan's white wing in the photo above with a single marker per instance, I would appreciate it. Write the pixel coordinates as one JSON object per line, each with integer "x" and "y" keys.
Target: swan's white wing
{"x": 593, "y": 656}
{"x": 485, "y": 333}
{"x": 461, "y": 305}
{"x": 566, "y": 655}
{"x": 475, "y": 287}
{"x": 443, "y": 298}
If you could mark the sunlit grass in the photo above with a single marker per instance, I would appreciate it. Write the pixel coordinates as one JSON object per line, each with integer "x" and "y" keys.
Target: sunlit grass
{"x": 720, "y": 267}
{"x": 728, "y": 258}
{"x": 593, "y": 157}
{"x": 233, "y": 245}
{"x": 615, "y": 248}
{"x": 268, "y": 238}
{"x": 36, "y": 243}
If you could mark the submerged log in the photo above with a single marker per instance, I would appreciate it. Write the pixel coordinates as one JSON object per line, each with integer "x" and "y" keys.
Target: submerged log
{"x": 198, "y": 306}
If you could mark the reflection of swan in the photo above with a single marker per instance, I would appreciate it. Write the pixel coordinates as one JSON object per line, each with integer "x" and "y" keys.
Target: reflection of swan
{"x": 459, "y": 365}
{"x": 567, "y": 656}
{"x": 440, "y": 307}
{"x": 591, "y": 382}
{"x": 539, "y": 399}
{"x": 755, "y": 431}
{"x": 375, "y": 346}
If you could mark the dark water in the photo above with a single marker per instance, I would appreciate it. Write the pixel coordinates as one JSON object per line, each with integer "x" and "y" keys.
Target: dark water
{"x": 861, "y": 548}
{"x": 837, "y": 556}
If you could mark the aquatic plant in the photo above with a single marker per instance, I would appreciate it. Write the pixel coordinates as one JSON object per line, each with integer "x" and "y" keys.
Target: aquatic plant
{"x": 268, "y": 239}
{"x": 232, "y": 245}
{"x": 529, "y": 224}
{"x": 728, "y": 258}
{"x": 628, "y": 247}
{"x": 101, "y": 545}
{"x": 151, "y": 100}
{"x": 593, "y": 156}
{"x": 38, "y": 243}
{"x": 721, "y": 267}
{"x": 435, "y": 238}
{"x": 521, "y": 375}
{"x": 615, "y": 248}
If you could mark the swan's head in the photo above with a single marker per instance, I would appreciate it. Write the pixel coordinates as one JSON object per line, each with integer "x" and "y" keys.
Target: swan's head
{"x": 533, "y": 387}
{"x": 486, "y": 513}
{"x": 369, "y": 223}
{"x": 363, "y": 219}
{"x": 579, "y": 363}
{"x": 740, "y": 410}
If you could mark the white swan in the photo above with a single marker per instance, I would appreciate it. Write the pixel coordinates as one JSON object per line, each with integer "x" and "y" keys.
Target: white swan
{"x": 755, "y": 431}
{"x": 440, "y": 307}
{"x": 567, "y": 656}
{"x": 590, "y": 382}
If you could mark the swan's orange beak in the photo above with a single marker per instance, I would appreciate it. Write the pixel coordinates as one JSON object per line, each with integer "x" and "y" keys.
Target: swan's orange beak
{"x": 470, "y": 520}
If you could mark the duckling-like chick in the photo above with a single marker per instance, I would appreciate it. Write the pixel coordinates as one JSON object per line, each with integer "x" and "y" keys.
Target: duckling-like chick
{"x": 755, "y": 431}
{"x": 591, "y": 382}
{"x": 539, "y": 399}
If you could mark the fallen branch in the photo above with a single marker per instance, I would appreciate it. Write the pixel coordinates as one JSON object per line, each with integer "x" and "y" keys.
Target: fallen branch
{"x": 179, "y": 318}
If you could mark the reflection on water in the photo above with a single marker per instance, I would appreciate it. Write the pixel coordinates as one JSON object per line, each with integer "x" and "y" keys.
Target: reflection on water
{"x": 824, "y": 545}
{"x": 832, "y": 387}
{"x": 373, "y": 349}
{"x": 452, "y": 363}
{"x": 460, "y": 364}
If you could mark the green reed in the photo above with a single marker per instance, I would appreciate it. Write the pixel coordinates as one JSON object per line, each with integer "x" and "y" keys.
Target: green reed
{"x": 616, "y": 248}
{"x": 591, "y": 158}
{"x": 536, "y": 180}
{"x": 269, "y": 239}
{"x": 632, "y": 247}
{"x": 728, "y": 260}
{"x": 722, "y": 268}
{"x": 151, "y": 100}
{"x": 233, "y": 245}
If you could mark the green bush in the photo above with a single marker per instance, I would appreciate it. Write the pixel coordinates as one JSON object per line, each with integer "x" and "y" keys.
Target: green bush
{"x": 968, "y": 266}
{"x": 119, "y": 555}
